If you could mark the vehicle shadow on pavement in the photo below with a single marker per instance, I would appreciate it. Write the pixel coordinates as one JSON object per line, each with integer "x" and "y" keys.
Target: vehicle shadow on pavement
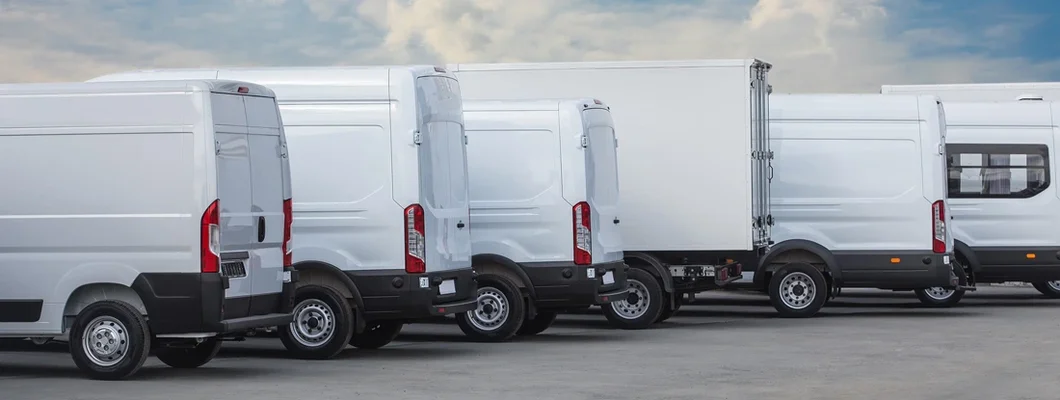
{"x": 155, "y": 372}
{"x": 393, "y": 351}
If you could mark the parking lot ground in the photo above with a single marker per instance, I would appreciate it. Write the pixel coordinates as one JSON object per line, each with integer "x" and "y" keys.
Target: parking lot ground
{"x": 1000, "y": 343}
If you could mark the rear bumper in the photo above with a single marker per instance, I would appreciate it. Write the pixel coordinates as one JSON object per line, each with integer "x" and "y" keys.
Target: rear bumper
{"x": 896, "y": 269}
{"x": 180, "y": 303}
{"x": 396, "y": 295}
{"x": 566, "y": 285}
{"x": 1014, "y": 264}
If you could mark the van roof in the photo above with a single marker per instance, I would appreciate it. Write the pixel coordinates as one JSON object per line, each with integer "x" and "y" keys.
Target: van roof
{"x": 542, "y": 104}
{"x": 847, "y": 106}
{"x": 1014, "y": 113}
{"x": 733, "y": 62}
{"x": 332, "y": 80}
{"x": 966, "y": 86}
{"x": 205, "y": 85}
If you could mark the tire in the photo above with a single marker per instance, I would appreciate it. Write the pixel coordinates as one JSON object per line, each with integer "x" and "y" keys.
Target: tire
{"x": 118, "y": 331}
{"x": 646, "y": 306}
{"x": 378, "y": 334}
{"x": 939, "y": 297}
{"x": 1048, "y": 288}
{"x": 500, "y": 314}
{"x": 322, "y": 326}
{"x": 669, "y": 311}
{"x": 798, "y": 290}
{"x": 542, "y": 321}
{"x": 194, "y": 357}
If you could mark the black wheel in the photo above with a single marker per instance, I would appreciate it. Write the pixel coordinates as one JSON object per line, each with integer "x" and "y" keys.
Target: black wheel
{"x": 110, "y": 340}
{"x": 940, "y": 296}
{"x": 322, "y": 326}
{"x": 376, "y": 335}
{"x": 500, "y": 313}
{"x": 798, "y": 290}
{"x": 642, "y": 307}
{"x": 538, "y": 324}
{"x": 1049, "y": 288}
{"x": 669, "y": 311}
{"x": 193, "y": 357}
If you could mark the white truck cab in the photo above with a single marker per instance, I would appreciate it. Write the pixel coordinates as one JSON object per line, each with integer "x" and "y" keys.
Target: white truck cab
{"x": 1006, "y": 208}
{"x": 859, "y": 187}
{"x": 143, "y": 216}
{"x": 381, "y": 222}
{"x": 544, "y": 213}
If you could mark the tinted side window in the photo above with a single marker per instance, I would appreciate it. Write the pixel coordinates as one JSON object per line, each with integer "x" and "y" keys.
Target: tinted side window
{"x": 1015, "y": 171}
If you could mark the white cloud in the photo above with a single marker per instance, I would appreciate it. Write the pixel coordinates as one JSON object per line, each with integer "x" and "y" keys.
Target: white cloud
{"x": 815, "y": 45}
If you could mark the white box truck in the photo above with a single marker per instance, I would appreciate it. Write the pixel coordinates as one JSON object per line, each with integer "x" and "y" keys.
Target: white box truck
{"x": 860, "y": 190}
{"x": 982, "y": 92}
{"x": 144, "y": 216}
{"x": 544, "y": 212}
{"x": 381, "y": 232}
{"x": 693, "y": 164}
{"x": 1006, "y": 207}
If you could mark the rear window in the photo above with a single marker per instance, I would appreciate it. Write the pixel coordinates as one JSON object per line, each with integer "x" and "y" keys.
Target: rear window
{"x": 997, "y": 170}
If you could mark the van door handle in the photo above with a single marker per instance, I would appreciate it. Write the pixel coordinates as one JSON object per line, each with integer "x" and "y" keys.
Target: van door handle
{"x": 460, "y": 225}
{"x": 261, "y": 229}
{"x": 616, "y": 220}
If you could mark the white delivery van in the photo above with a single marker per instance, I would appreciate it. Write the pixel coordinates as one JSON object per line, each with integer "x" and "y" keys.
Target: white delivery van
{"x": 860, "y": 188}
{"x": 544, "y": 212}
{"x": 381, "y": 219}
{"x": 1006, "y": 210}
{"x": 982, "y": 92}
{"x": 693, "y": 160}
{"x": 139, "y": 217}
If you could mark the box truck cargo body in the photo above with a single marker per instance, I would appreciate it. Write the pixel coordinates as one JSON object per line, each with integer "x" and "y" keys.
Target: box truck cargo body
{"x": 544, "y": 204}
{"x": 143, "y": 217}
{"x": 1004, "y": 201}
{"x": 982, "y": 92}
{"x": 380, "y": 228}
{"x": 693, "y": 163}
{"x": 860, "y": 189}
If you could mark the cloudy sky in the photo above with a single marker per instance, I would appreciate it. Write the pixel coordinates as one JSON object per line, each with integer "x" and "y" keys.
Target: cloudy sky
{"x": 815, "y": 45}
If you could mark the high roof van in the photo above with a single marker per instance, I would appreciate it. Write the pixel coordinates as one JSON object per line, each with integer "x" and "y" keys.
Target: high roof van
{"x": 143, "y": 216}
{"x": 381, "y": 219}
{"x": 544, "y": 213}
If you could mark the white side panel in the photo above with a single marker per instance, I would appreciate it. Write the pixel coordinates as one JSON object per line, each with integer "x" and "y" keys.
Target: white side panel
{"x": 685, "y": 150}
{"x": 1009, "y": 132}
{"x": 602, "y": 185}
{"x": 340, "y": 159}
{"x": 517, "y": 205}
{"x": 100, "y": 199}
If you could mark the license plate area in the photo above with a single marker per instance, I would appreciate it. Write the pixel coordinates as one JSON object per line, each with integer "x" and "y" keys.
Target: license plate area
{"x": 608, "y": 278}
{"x": 233, "y": 269}
{"x": 447, "y": 286}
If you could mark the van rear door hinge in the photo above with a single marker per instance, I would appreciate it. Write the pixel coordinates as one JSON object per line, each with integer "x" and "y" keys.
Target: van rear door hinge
{"x": 585, "y": 141}
{"x": 417, "y": 138}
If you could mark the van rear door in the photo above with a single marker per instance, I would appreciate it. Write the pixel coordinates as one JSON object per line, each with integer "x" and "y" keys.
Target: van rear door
{"x": 601, "y": 161}
{"x": 251, "y": 187}
{"x": 443, "y": 171}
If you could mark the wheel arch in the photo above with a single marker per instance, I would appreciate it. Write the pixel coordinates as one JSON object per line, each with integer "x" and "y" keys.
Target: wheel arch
{"x": 655, "y": 267}
{"x": 797, "y": 250}
{"x": 324, "y": 274}
{"x": 501, "y": 265}
{"x": 91, "y": 293}
{"x": 965, "y": 252}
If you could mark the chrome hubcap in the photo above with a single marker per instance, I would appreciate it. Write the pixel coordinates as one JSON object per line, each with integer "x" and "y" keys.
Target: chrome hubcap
{"x": 106, "y": 341}
{"x": 492, "y": 311}
{"x": 314, "y": 323}
{"x": 797, "y": 291}
{"x": 636, "y": 304}
{"x": 1055, "y": 285}
{"x": 938, "y": 293}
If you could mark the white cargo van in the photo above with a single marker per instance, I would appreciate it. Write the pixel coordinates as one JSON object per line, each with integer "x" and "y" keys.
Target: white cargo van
{"x": 693, "y": 161}
{"x": 544, "y": 213}
{"x": 982, "y": 92}
{"x": 1006, "y": 210}
{"x": 381, "y": 219}
{"x": 138, "y": 217}
{"x": 860, "y": 188}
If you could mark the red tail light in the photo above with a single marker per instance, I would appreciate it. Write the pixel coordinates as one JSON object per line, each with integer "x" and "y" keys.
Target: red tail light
{"x": 415, "y": 244}
{"x": 288, "y": 219}
{"x": 210, "y": 239}
{"x": 583, "y": 242}
{"x": 938, "y": 227}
